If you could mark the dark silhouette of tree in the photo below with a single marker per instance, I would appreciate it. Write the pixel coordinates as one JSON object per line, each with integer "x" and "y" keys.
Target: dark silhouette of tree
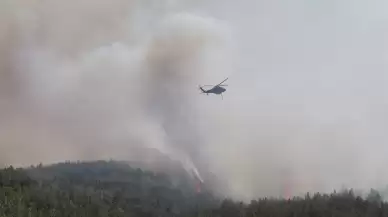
{"x": 114, "y": 189}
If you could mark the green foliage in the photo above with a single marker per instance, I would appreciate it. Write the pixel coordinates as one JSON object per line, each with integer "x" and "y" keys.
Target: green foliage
{"x": 112, "y": 189}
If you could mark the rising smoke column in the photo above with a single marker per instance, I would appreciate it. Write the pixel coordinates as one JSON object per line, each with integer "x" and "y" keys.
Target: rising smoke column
{"x": 107, "y": 99}
{"x": 174, "y": 66}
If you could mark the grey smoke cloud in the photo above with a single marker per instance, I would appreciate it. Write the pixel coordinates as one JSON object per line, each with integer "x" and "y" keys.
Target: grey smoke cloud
{"x": 305, "y": 105}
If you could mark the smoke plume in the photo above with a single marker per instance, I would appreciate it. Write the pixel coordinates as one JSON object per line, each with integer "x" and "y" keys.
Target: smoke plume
{"x": 304, "y": 109}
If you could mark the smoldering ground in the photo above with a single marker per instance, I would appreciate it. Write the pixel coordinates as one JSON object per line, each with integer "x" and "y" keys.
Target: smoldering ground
{"x": 305, "y": 106}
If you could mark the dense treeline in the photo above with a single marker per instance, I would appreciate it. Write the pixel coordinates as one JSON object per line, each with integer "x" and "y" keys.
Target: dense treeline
{"x": 115, "y": 189}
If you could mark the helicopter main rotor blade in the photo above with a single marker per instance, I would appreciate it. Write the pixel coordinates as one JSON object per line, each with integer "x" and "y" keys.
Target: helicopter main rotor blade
{"x": 222, "y": 81}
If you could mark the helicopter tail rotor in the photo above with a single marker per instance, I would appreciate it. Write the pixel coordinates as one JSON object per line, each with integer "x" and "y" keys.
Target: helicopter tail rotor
{"x": 203, "y": 91}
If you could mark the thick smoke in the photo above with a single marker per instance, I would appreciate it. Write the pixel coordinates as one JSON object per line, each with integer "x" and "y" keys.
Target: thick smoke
{"x": 107, "y": 98}
{"x": 304, "y": 110}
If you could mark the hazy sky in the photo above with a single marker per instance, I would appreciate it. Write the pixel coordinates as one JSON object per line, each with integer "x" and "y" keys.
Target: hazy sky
{"x": 306, "y": 102}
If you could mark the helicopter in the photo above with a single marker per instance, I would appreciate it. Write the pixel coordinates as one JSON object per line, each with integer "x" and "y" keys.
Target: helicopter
{"x": 216, "y": 89}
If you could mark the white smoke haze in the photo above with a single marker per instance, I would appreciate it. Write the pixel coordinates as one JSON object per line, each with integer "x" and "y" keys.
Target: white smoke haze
{"x": 305, "y": 107}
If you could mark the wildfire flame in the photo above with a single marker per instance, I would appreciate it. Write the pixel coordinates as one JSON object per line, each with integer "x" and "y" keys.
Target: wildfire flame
{"x": 198, "y": 187}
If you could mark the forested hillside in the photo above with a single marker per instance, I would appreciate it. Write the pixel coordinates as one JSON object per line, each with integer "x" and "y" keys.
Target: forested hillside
{"x": 115, "y": 189}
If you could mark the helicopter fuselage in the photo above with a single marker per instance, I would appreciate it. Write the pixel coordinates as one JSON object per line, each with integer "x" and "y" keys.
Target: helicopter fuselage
{"x": 216, "y": 90}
